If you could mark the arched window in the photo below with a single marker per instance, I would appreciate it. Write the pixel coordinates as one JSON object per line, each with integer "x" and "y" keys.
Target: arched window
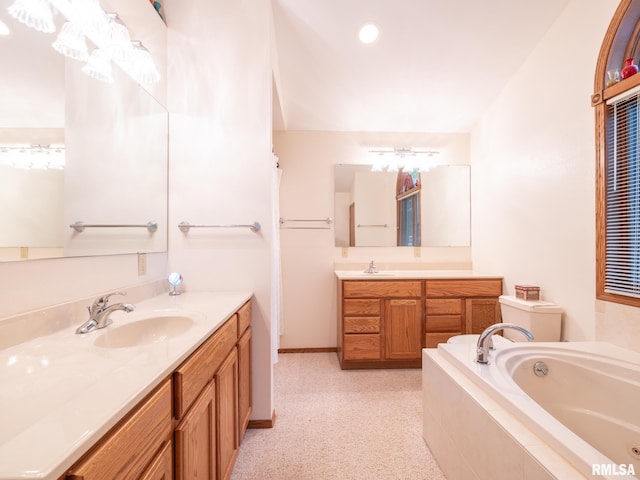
{"x": 408, "y": 205}
{"x": 616, "y": 101}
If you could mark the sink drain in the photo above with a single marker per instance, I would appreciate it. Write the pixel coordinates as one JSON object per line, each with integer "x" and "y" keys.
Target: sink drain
{"x": 634, "y": 450}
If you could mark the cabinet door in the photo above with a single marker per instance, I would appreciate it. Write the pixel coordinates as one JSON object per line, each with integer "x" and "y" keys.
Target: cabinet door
{"x": 403, "y": 329}
{"x": 129, "y": 448}
{"x": 196, "y": 440}
{"x": 161, "y": 467}
{"x": 227, "y": 408}
{"x": 244, "y": 382}
{"x": 481, "y": 313}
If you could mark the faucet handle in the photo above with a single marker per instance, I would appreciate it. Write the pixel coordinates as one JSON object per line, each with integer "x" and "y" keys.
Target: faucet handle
{"x": 101, "y": 302}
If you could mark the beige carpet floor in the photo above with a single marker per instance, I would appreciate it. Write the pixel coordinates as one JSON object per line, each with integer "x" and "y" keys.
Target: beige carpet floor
{"x": 339, "y": 424}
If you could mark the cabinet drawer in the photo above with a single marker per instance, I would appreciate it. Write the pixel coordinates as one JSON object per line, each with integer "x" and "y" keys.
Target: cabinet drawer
{"x": 361, "y": 324}
{"x": 431, "y": 340}
{"x": 162, "y": 466}
{"x": 244, "y": 318}
{"x": 377, "y": 289}
{"x": 443, "y": 306}
{"x": 129, "y": 448}
{"x": 364, "y": 346}
{"x": 443, "y": 323}
{"x": 464, "y": 288}
{"x": 190, "y": 378}
{"x": 361, "y": 307}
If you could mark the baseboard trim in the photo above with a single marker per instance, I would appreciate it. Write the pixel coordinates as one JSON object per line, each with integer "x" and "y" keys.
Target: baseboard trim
{"x": 263, "y": 423}
{"x": 307, "y": 350}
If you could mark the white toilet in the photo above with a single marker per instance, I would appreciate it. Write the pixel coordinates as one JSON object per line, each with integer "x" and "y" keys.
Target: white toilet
{"x": 542, "y": 319}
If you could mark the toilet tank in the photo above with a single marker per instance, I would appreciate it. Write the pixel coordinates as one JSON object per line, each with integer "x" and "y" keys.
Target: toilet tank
{"x": 542, "y": 319}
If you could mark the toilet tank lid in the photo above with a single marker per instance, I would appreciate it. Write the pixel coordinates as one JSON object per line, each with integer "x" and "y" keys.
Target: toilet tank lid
{"x": 538, "y": 306}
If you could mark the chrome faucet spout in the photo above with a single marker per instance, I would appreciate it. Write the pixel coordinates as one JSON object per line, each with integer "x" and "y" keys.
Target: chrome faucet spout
{"x": 372, "y": 267}
{"x": 485, "y": 341}
{"x": 99, "y": 313}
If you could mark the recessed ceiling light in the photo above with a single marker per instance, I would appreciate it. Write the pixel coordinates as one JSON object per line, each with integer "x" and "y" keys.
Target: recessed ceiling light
{"x": 368, "y": 33}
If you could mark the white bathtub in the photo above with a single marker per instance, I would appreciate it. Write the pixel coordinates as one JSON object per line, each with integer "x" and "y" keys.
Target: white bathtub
{"x": 586, "y": 409}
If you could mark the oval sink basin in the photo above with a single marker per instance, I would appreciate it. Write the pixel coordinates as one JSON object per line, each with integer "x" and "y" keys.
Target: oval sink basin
{"x": 144, "y": 332}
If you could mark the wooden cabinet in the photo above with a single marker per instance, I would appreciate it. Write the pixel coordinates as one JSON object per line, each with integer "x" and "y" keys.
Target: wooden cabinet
{"x": 402, "y": 329}
{"x": 130, "y": 448}
{"x": 205, "y": 393}
{"x": 226, "y": 380}
{"x": 380, "y": 324}
{"x": 481, "y": 312}
{"x": 195, "y": 438}
{"x": 244, "y": 382}
{"x": 460, "y": 306}
{"x": 210, "y": 397}
{"x": 386, "y": 323}
{"x": 444, "y": 319}
{"x": 161, "y": 467}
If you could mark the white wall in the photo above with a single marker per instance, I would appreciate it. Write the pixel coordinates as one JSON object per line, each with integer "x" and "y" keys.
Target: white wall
{"x": 309, "y": 257}
{"x": 533, "y": 187}
{"x": 220, "y": 150}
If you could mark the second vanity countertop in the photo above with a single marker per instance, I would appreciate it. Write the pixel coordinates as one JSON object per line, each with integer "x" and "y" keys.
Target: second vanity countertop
{"x": 60, "y": 393}
{"x": 411, "y": 275}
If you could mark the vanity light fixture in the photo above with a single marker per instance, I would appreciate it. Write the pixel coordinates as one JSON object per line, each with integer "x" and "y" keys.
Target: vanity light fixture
{"x": 141, "y": 65}
{"x": 408, "y": 159}
{"x": 4, "y": 30}
{"x": 99, "y": 66}
{"x": 368, "y": 33}
{"x": 117, "y": 42}
{"x": 36, "y": 14}
{"x": 33, "y": 157}
{"x": 88, "y": 21}
{"x": 71, "y": 42}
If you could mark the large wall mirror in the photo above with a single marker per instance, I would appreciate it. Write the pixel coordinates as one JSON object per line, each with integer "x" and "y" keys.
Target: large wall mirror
{"x": 115, "y": 142}
{"x": 392, "y": 209}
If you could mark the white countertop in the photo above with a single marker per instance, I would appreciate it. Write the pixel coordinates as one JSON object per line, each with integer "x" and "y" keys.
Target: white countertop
{"x": 410, "y": 274}
{"x": 61, "y": 393}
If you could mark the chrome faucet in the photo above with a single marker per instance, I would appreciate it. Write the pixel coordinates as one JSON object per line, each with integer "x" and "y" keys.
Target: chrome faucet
{"x": 485, "y": 342}
{"x": 372, "y": 267}
{"x": 99, "y": 313}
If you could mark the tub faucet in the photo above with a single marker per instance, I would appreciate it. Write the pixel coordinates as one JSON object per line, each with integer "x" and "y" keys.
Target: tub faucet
{"x": 99, "y": 313}
{"x": 372, "y": 267}
{"x": 485, "y": 342}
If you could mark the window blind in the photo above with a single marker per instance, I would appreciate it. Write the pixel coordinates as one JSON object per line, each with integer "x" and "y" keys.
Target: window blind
{"x": 622, "y": 263}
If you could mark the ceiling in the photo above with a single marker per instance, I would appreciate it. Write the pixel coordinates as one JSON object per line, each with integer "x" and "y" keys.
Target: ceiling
{"x": 436, "y": 66}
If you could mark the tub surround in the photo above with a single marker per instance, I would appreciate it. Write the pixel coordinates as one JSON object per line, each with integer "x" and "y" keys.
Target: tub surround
{"x": 464, "y": 402}
{"x": 67, "y": 392}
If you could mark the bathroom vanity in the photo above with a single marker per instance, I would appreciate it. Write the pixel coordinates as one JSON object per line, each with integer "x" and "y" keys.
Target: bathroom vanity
{"x": 129, "y": 402}
{"x": 385, "y": 319}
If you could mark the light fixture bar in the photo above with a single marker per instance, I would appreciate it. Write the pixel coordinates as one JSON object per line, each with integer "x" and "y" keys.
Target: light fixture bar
{"x": 34, "y": 157}
{"x": 111, "y": 37}
{"x": 405, "y": 152}
{"x": 402, "y": 158}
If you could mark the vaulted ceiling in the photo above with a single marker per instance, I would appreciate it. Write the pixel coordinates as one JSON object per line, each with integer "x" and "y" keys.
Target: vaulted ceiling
{"x": 436, "y": 66}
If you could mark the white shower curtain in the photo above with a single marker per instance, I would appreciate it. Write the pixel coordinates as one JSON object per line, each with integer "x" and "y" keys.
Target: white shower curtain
{"x": 276, "y": 269}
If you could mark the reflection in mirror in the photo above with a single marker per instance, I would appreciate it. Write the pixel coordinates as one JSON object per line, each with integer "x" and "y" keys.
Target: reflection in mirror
{"x": 114, "y": 139}
{"x": 389, "y": 209}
